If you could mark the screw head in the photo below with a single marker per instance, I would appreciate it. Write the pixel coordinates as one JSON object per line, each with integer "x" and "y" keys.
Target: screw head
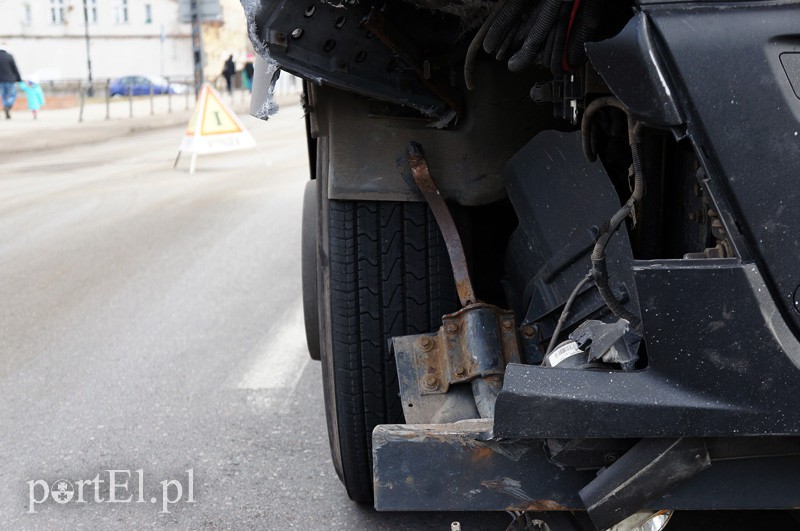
{"x": 425, "y": 343}
{"x": 430, "y": 382}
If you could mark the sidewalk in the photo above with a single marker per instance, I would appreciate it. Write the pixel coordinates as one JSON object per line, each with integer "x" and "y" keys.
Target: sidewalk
{"x": 60, "y": 128}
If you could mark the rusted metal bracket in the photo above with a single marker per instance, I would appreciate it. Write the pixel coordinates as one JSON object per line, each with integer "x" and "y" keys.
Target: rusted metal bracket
{"x": 474, "y": 342}
{"x": 458, "y": 260}
{"x": 473, "y": 345}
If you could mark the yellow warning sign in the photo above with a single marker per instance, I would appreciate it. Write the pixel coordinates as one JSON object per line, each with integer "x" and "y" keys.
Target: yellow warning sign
{"x": 213, "y": 128}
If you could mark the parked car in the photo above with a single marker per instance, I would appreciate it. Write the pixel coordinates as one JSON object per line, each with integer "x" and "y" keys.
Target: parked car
{"x": 140, "y": 86}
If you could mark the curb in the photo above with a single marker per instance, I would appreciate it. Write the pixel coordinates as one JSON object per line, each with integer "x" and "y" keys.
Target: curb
{"x": 89, "y": 133}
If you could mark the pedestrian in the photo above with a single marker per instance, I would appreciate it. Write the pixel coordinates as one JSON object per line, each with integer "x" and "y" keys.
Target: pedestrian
{"x": 228, "y": 72}
{"x": 248, "y": 75}
{"x": 9, "y": 77}
{"x": 34, "y": 94}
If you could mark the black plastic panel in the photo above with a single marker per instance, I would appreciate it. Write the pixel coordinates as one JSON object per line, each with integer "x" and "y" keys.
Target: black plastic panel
{"x": 722, "y": 362}
{"x": 561, "y": 200}
{"x": 730, "y": 68}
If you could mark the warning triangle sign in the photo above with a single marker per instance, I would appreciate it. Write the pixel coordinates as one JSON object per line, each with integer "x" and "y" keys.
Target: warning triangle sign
{"x": 213, "y": 128}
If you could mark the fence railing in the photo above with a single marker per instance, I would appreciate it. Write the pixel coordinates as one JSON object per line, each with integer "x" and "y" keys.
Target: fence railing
{"x": 140, "y": 96}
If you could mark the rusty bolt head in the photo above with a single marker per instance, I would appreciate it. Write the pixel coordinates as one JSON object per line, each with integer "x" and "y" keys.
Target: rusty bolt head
{"x": 507, "y": 324}
{"x": 459, "y": 370}
{"x": 529, "y": 331}
{"x": 425, "y": 343}
{"x": 451, "y": 328}
{"x": 430, "y": 382}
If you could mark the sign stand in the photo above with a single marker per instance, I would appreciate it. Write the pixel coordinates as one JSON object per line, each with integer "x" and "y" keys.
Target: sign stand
{"x": 213, "y": 128}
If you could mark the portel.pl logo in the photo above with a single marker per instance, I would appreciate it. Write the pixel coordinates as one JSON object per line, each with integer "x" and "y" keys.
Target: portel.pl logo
{"x": 115, "y": 486}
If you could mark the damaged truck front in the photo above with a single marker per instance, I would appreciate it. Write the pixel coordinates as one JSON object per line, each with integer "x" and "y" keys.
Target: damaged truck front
{"x": 551, "y": 260}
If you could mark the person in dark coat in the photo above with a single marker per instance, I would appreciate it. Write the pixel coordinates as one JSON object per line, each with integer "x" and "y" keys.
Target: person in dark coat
{"x": 249, "y": 71}
{"x": 228, "y": 72}
{"x": 9, "y": 77}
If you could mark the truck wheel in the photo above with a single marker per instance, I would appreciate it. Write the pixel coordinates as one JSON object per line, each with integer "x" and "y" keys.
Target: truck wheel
{"x": 387, "y": 274}
{"x": 309, "y": 268}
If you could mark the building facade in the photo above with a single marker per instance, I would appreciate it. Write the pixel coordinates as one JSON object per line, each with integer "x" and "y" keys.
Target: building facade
{"x": 47, "y": 38}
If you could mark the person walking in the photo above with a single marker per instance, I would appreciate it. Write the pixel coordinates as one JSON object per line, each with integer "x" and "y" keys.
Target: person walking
{"x": 9, "y": 77}
{"x": 228, "y": 72}
{"x": 34, "y": 94}
{"x": 249, "y": 72}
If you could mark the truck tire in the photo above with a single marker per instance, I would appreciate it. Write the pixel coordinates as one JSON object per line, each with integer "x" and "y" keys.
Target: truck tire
{"x": 309, "y": 266}
{"x": 387, "y": 274}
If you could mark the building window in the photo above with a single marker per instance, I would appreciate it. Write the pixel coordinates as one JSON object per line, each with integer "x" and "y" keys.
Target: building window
{"x": 148, "y": 13}
{"x": 121, "y": 12}
{"x": 91, "y": 5}
{"x": 27, "y": 16}
{"x": 57, "y": 11}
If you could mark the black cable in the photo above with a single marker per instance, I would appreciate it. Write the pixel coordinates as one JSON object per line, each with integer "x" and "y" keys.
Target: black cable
{"x": 526, "y": 56}
{"x": 583, "y": 30}
{"x": 599, "y": 270}
{"x": 565, "y": 313}
{"x": 475, "y": 45}
{"x": 501, "y": 26}
{"x": 560, "y": 40}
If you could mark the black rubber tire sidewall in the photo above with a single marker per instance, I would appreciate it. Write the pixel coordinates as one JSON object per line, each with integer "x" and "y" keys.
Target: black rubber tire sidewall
{"x": 386, "y": 271}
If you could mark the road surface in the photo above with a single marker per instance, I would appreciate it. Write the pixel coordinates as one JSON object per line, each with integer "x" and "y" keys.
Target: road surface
{"x": 151, "y": 321}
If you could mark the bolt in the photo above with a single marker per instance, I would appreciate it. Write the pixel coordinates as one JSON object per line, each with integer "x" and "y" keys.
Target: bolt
{"x": 430, "y": 382}
{"x": 451, "y": 328}
{"x": 529, "y": 331}
{"x": 459, "y": 370}
{"x": 507, "y": 324}
{"x": 425, "y": 343}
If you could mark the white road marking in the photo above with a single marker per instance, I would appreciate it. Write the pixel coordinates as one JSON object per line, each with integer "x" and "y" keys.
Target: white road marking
{"x": 278, "y": 362}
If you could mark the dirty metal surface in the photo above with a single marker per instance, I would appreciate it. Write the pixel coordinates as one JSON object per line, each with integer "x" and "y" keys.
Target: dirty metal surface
{"x": 407, "y": 51}
{"x": 460, "y": 467}
{"x": 472, "y": 343}
{"x": 422, "y": 176}
{"x": 326, "y": 43}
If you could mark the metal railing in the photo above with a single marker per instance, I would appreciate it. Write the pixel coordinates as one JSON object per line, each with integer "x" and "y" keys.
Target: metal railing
{"x": 173, "y": 95}
{"x": 103, "y": 99}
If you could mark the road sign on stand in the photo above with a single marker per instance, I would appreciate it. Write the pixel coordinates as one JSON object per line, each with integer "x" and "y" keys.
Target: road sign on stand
{"x": 213, "y": 128}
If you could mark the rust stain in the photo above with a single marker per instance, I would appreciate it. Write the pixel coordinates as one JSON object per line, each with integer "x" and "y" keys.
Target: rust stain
{"x": 539, "y": 505}
{"x": 452, "y": 240}
{"x": 481, "y": 454}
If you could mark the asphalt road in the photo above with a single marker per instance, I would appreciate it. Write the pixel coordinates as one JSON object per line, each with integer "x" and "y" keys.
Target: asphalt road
{"x": 151, "y": 320}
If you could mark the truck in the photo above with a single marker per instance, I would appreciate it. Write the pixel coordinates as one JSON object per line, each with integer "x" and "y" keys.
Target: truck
{"x": 551, "y": 261}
